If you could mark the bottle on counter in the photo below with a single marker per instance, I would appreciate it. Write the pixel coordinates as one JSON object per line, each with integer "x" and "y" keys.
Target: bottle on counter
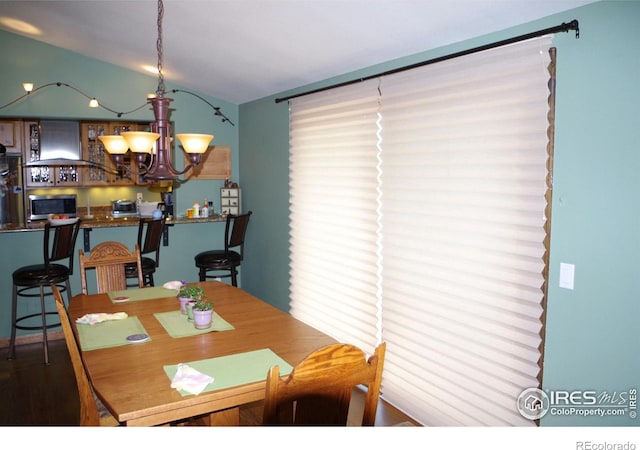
{"x": 211, "y": 210}
{"x": 196, "y": 210}
{"x": 205, "y": 209}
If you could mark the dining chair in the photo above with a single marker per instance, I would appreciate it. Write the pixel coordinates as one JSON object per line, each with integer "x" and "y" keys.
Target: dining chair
{"x": 92, "y": 410}
{"x": 56, "y": 267}
{"x": 109, "y": 260}
{"x": 318, "y": 390}
{"x": 149, "y": 240}
{"x": 216, "y": 263}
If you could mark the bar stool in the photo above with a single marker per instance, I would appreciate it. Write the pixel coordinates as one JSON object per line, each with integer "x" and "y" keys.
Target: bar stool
{"x": 225, "y": 260}
{"x": 59, "y": 245}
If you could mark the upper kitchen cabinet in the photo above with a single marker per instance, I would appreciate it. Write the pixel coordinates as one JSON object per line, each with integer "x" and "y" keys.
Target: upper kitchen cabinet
{"x": 106, "y": 173}
{"x": 50, "y": 149}
{"x": 60, "y": 153}
{"x": 11, "y": 135}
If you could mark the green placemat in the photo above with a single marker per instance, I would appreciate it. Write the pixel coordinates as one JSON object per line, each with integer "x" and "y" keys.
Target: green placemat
{"x": 178, "y": 326}
{"x": 111, "y": 333}
{"x": 235, "y": 370}
{"x": 148, "y": 293}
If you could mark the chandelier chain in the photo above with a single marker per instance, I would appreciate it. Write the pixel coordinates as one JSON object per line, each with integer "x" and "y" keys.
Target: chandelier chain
{"x": 161, "y": 89}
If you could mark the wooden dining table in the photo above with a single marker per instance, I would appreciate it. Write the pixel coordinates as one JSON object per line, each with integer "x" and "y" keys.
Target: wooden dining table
{"x": 130, "y": 379}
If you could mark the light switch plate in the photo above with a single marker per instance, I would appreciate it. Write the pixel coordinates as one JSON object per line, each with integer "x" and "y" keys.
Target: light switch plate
{"x": 567, "y": 273}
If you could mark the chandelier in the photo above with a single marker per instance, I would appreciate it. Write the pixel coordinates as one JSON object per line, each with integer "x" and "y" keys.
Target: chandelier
{"x": 152, "y": 149}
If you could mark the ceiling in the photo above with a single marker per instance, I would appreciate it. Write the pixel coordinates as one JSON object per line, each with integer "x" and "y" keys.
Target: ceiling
{"x": 242, "y": 50}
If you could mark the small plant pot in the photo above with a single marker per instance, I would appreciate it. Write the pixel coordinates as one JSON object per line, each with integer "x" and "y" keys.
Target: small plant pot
{"x": 183, "y": 304}
{"x": 189, "y": 307}
{"x": 202, "y": 318}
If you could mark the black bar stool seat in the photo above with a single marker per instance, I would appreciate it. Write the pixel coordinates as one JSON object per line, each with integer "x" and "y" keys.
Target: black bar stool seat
{"x": 38, "y": 274}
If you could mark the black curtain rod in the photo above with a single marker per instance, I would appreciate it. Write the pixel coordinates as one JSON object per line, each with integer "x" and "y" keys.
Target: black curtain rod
{"x": 564, "y": 27}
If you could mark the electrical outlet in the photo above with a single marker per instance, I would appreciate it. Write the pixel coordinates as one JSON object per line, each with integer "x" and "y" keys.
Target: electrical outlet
{"x": 139, "y": 196}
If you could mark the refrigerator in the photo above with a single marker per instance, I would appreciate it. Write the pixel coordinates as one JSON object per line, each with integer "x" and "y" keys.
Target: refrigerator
{"x": 11, "y": 191}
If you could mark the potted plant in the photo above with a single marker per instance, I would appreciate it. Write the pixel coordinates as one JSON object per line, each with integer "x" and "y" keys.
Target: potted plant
{"x": 202, "y": 313}
{"x": 189, "y": 293}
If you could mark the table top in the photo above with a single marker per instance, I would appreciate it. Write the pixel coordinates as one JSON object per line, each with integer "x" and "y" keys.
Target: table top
{"x": 130, "y": 379}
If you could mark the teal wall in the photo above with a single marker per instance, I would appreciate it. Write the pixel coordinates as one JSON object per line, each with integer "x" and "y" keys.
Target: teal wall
{"x": 592, "y": 340}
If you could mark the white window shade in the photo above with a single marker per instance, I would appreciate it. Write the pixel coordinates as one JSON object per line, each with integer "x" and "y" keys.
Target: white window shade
{"x": 334, "y": 216}
{"x": 464, "y": 177}
{"x": 418, "y": 218}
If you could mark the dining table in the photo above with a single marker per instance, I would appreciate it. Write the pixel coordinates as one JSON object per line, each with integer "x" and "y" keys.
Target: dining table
{"x": 133, "y": 378}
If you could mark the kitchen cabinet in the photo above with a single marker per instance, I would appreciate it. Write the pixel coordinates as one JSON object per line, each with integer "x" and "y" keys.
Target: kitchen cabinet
{"x": 45, "y": 176}
{"x": 230, "y": 201}
{"x": 11, "y": 135}
{"x": 94, "y": 151}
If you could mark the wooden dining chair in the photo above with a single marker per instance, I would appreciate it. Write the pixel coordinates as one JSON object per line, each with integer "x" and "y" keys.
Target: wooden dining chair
{"x": 109, "y": 259}
{"x": 318, "y": 390}
{"x": 92, "y": 411}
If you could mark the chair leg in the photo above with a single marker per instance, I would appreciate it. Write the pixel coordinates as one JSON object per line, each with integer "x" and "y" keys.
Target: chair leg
{"x": 14, "y": 316}
{"x": 68, "y": 284}
{"x": 234, "y": 277}
{"x": 203, "y": 274}
{"x": 45, "y": 340}
{"x": 150, "y": 279}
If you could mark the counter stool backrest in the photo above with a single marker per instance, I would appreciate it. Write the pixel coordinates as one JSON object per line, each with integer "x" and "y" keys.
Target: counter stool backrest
{"x": 62, "y": 246}
{"x": 150, "y": 237}
{"x": 237, "y": 226}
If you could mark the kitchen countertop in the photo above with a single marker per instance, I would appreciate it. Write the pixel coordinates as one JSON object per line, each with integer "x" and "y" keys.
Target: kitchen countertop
{"x": 106, "y": 221}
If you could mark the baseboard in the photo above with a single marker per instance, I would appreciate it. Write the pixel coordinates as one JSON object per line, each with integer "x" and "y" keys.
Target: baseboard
{"x": 31, "y": 338}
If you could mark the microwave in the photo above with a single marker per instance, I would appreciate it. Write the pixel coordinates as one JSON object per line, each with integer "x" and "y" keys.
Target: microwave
{"x": 40, "y": 206}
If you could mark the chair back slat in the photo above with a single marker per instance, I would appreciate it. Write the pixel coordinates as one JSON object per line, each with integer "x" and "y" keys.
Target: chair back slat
{"x": 109, "y": 260}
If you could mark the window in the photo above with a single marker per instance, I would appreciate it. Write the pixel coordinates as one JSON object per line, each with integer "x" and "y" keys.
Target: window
{"x": 443, "y": 252}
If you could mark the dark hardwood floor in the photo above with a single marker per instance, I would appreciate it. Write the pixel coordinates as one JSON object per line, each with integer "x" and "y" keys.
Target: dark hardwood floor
{"x": 34, "y": 394}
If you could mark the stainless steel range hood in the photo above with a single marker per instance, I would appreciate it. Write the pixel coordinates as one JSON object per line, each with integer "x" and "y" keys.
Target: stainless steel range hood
{"x": 60, "y": 146}
{"x": 59, "y": 143}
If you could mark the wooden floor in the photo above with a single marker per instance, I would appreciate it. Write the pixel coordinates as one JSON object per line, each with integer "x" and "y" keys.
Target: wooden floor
{"x": 34, "y": 394}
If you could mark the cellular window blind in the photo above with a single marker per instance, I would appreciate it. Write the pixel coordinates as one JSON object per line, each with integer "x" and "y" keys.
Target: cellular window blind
{"x": 464, "y": 183}
{"x": 334, "y": 213}
{"x": 418, "y": 217}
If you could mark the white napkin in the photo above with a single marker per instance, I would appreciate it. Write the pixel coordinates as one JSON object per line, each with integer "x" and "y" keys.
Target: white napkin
{"x": 93, "y": 318}
{"x": 173, "y": 285}
{"x": 190, "y": 380}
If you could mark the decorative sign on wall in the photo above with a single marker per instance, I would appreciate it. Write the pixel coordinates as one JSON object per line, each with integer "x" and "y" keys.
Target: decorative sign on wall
{"x": 216, "y": 165}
